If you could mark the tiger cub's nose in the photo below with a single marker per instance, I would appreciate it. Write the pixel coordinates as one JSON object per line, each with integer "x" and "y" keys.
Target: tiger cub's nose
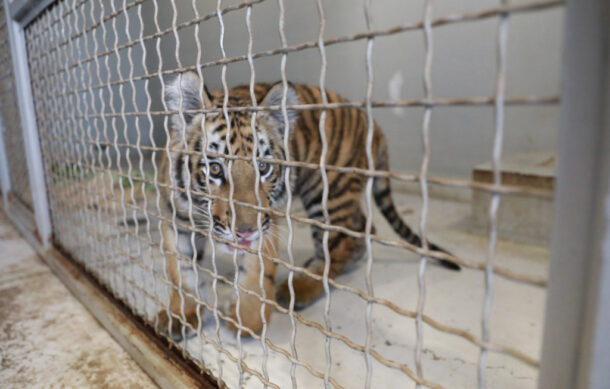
{"x": 246, "y": 233}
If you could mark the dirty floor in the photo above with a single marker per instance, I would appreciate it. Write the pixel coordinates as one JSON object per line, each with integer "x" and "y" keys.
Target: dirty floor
{"x": 452, "y": 298}
{"x": 47, "y": 339}
{"x": 72, "y": 350}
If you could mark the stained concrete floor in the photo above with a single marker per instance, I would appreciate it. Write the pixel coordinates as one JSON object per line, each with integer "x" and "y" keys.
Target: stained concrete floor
{"x": 47, "y": 338}
{"x": 454, "y": 299}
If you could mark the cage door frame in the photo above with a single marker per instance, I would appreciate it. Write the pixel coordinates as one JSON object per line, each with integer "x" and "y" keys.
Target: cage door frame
{"x": 576, "y": 349}
{"x": 5, "y": 178}
{"x": 579, "y": 279}
{"x": 27, "y": 114}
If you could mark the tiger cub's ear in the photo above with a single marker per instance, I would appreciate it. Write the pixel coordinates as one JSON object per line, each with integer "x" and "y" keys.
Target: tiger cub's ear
{"x": 185, "y": 93}
{"x": 274, "y": 97}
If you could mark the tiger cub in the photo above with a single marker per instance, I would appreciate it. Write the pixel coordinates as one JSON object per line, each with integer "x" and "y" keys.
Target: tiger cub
{"x": 191, "y": 177}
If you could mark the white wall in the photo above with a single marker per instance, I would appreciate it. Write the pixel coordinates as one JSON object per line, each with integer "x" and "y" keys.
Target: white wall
{"x": 464, "y": 66}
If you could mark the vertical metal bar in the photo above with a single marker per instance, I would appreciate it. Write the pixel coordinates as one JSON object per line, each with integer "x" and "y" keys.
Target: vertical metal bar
{"x": 51, "y": 149}
{"x": 127, "y": 157}
{"x": 368, "y": 196}
{"x": 595, "y": 344}
{"x": 78, "y": 132}
{"x": 175, "y": 184}
{"x": 259, "y": 215}
{"x": 85, "y": 243}
{"x": 5, "y": 178}
{"x": 156, "y": 172}
{"x": 421, "y": 274}
{"x": 83, "y": 112}
{"x": 104, "y": 154}
{"x": 27, "y": 114}
{"x": 323, "y": 173}
{"x": 134, "y": 216}
{"x": 91, "y": 160}
{"x": 580, "y": 255}
{"x": 193, "y": 244}
{"x": 287, "y": 183}
{"x": 153, "y": 159}
{"x": 117, "y": 282}
{"x": 211, "y": 241}
{"x": 225, "y": 112}
{"x": 170, "y": 168}
{"x": 64, "y": 127}
{"x": 115, "y": 136}
{"x": 141, "y": 155}
{"x": 71, "y": 123}
{"x": 494, "y": 204}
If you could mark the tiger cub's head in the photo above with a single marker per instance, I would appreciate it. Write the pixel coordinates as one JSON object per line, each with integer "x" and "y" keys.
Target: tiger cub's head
{"x": 193, "y": 138}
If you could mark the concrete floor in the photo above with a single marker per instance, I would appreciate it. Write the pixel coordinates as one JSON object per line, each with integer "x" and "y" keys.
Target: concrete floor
{"x": 47, "y": 338}
{"x": 454, "y": 299}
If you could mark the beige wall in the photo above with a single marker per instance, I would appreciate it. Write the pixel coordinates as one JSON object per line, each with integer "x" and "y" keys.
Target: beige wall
{"x": 464, "y": 66}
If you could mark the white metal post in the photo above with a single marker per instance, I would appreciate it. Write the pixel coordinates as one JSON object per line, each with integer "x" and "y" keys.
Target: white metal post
{"x": 29, "y": 127}
{"x": 5, "y": 178}
{"x": 576, "y": 344}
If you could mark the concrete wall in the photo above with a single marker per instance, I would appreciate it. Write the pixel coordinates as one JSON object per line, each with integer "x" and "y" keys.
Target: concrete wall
{"x": 464, "y": 66}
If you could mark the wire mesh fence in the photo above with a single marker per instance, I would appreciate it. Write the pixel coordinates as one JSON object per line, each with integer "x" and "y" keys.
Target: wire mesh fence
{"x": 182, "y": 199}
{"x": 13, "y": 136}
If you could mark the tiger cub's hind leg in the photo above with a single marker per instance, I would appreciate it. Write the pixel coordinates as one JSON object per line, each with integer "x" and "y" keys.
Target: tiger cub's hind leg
{"x": 342, "y": 248}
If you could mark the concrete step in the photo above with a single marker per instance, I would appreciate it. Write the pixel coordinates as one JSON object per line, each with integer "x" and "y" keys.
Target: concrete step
{"x": 521, "y": 219}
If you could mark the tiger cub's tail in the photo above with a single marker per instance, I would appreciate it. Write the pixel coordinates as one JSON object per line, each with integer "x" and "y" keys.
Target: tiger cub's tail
{"x": 383, "y": 197}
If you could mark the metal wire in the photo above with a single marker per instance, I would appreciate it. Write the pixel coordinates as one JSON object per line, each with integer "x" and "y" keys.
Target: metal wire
{"x": 225, "y": 104}
{"x": 153, "y": 153}
{"x": 287, "y": 183}
{"x": 325, "y": 234}
{"x": 356, "y": 291}
{"x": 457, "y": 183}
{"x": 200, "y": 317}
{"x": 368, "y": 195}
{"x": 501, "y": 47}
{"x": 186, "y": 161}
{"x": 423, "y": 174}
{"x": 171, "y": 193}
{"x": 446, "y": 20}
{"x": 261, "y": 277}
{"x": 501, "y": 271}
{"x": 211, "y": 241}
{"x": 149, "y": 123}
{"x": 105, "y": 187}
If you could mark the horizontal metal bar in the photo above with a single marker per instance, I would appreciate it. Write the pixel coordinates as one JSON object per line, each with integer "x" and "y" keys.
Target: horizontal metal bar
{"x": 312, "y": 324}
{"x": 501, "y": 271}
{"x": 403, "y": 103}
{"x": 503, "y": 189}
{"x": 24, "y": 11}
{"x": 442, "y": 21}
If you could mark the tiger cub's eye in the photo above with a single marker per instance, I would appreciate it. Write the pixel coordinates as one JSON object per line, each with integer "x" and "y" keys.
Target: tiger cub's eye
{"x": 215, "y": 170}
{"x": 264, "y": 168}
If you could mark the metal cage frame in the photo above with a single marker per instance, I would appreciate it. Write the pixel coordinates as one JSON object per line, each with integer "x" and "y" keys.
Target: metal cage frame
{"x": 575, "y": 346}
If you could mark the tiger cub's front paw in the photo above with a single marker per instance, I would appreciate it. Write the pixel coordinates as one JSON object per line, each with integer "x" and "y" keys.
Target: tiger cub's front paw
{"x": 306, "y": 291}
{"x": 175, "y": 328}
{"x": 249, "y": 314}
